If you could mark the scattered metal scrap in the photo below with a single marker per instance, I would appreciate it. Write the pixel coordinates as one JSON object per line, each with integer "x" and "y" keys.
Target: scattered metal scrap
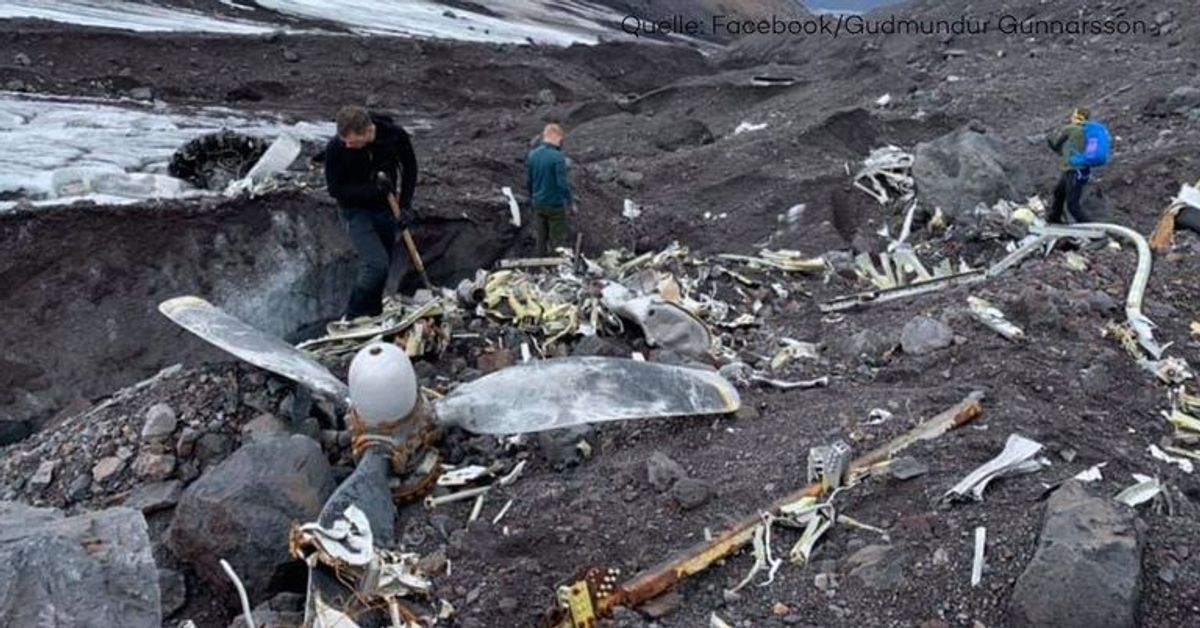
{"x": 964, "y": 277}
{"x": 1016, "y": 459}
{"x": 1143, "y": 490}
{"x": 744, "y": 375}
{"x": 977, "y": 563}
{"x": 886, "y": 174}
{"x": 377, "y": 578}
{"x": 422, "y": 329}
{"x": 679, "y": 301}
{"x": 1164, "y": 232}
{"x": 572, "y": 613}
{"x": 1142, "y": 327}
{"x": 993, "y": 318}
{"x": 262, "y": 175}
{"x": 901, "y": 267}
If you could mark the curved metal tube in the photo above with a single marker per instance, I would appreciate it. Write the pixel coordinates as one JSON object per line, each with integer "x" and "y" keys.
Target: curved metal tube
{"x": 1142, "y": 326}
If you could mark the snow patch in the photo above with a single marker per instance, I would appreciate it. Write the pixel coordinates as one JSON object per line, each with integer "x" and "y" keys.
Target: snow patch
{"x": 124, "y": 15}
{"x": 557, "y": 22}
{"x": 95, "y": 138}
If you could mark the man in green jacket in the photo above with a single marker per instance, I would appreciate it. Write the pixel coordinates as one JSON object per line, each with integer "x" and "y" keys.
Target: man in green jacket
{"x": 1067, "y": 142}
{"x": 549, "y": 190}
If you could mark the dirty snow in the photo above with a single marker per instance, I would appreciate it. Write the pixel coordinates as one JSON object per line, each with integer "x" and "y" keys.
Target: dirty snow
{"x": 134, "y": 16}
{"x": 560, "y": 22}
{"x": 48, "y": 135}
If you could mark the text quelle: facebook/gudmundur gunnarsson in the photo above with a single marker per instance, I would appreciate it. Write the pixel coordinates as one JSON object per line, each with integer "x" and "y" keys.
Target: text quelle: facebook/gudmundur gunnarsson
{"x": 854, "y": 25}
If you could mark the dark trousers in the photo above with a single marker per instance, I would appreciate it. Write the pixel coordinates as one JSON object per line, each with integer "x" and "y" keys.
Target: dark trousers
{"x": 373, "y": 233}
{"x": 550, "y": 228}
{"x": 1068, "y": 192}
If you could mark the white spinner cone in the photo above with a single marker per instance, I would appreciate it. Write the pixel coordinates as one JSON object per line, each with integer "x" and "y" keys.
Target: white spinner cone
{"x": 383, "y": 385}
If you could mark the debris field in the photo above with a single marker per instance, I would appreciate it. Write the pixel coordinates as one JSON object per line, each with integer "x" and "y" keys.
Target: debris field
{"x": 861, "y": 268}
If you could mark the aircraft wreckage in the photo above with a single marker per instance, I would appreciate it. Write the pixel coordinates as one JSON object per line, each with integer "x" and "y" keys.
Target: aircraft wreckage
{"x": 395, "y": 434}
{"x": 396, "y": 425}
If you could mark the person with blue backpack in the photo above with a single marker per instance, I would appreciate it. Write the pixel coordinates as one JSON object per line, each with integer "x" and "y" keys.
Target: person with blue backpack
{"x": 1082, "y": 145}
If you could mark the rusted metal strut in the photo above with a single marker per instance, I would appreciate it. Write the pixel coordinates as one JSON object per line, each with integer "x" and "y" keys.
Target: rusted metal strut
{"x": 658, "y": 579}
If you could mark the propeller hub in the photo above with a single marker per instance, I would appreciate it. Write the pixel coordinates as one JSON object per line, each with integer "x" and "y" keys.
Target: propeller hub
{"x": 383, "y": 385}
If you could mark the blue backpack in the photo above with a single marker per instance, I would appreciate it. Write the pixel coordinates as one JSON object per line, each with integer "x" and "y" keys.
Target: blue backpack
{"x": 1096, "y": 146}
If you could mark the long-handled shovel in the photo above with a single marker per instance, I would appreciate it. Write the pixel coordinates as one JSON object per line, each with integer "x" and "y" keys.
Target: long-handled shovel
{"x": 413, "y": 254}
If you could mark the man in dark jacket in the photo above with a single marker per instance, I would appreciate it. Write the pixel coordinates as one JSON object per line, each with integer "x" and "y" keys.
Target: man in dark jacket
{"x": 361, "y": 166}
{"x": 549, "y": 190}
{"x": 1068, "y": 142}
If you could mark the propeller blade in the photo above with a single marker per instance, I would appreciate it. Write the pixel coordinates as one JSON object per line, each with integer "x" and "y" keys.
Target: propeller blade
{"x": 565, "y": 392}
{"x": 231, "y": 334}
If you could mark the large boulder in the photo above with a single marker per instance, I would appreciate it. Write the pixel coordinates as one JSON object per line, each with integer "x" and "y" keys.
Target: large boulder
{"x": 242, "y": 510}
{"x": 965, "y": 168}
{"x": 93, "y": 570}
{"x": 1087, "y": 570}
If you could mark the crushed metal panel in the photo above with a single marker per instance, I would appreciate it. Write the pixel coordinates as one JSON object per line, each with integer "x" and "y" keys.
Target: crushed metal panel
{"x": 1143, "y": 490}
{"x": 664, "y": 324}
{"x": 1016, "y": 459}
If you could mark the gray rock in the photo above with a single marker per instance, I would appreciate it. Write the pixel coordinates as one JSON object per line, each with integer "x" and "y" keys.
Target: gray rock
{"x": 242, "y": 509}
{"x": 211, "y": 447}
{"x": 16, "y": 85}
{"x": 923, "y": 335}
{"x": 107, "y": 468}
{"x": 297, "y": 405}
{"x": 22, "y": 59}
{"x": 44, "y": 474}
{"x": 1184, "y": 98}
{"x": 674, "y": 133}
{"x": 597, "y": 346}
{"x": 141, "y": 93}
{"x": 870, "y": 346}
{"x": 878, "y": 567}
{"x": 964, "y": 168}
{"x": 291, "y": 56}
{"x": 663, "y": 472}
{"x": 546, "y": 97}
{"x": 160, "y": 423}
{"x": 150, "y": 498}
{"x": 907, "y": 468}
{"x": 79, "y": 488}
{"x": 151, "y": 466}
{"x": 1087, "y": 570}
{"x": 691, "y": 493}
{"x": 93, "y": 570}
{"x": 562, "y": 447}
{"x": 360, "y": 57}
{"x": 630, "y": 178}
{"x": 186, "y": 445}
{"x": 13, "y": 431}
{"x": 172, "y": 589}
{"x": 258, "y": 400}
{"x": 264, "y": 427}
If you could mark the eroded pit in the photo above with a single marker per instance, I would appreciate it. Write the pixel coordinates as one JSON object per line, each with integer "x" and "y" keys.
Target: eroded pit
{"x": 83, "y": 283}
